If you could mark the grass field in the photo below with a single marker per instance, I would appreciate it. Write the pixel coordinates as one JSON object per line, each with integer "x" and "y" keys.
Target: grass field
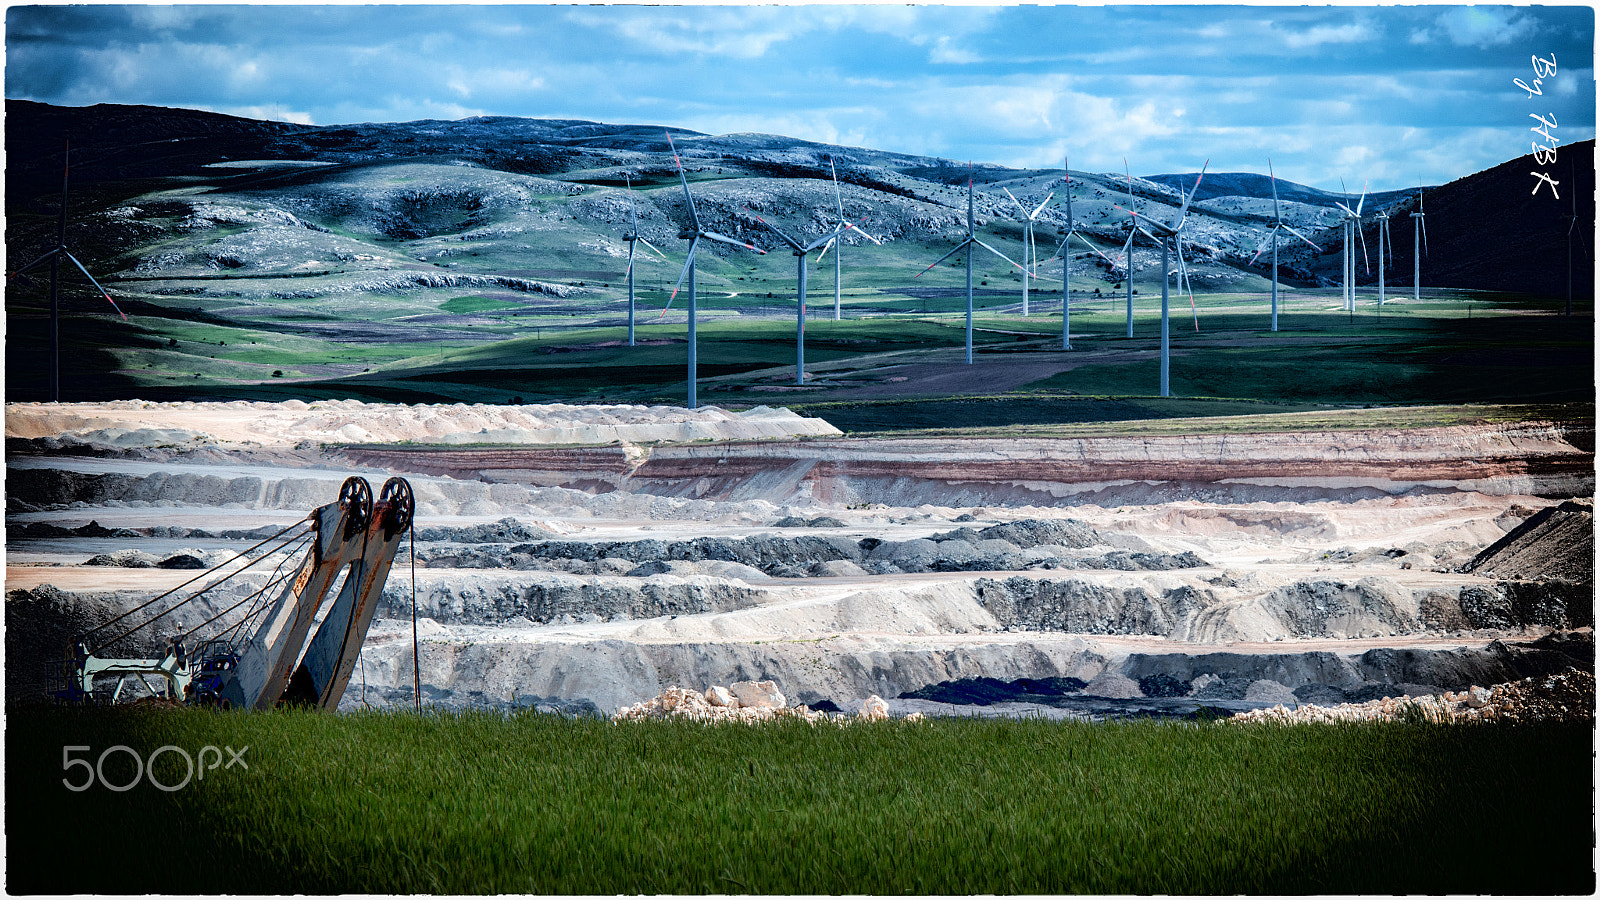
{"x": 484, "y": 803}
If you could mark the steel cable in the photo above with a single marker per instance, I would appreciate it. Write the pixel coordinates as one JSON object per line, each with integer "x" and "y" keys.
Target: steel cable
{"x": 180, "y": 587}
{"x": 275, "y": 580}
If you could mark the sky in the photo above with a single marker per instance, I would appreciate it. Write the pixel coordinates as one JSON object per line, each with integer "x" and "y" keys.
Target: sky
{"x": 1386, "y": 97}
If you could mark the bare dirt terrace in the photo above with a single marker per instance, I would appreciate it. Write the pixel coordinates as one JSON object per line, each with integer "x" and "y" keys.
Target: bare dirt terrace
{"x": 591, "y": 557}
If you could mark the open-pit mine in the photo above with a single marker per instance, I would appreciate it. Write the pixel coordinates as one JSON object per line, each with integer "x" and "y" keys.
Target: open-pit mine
{"x": 589, "y": 558}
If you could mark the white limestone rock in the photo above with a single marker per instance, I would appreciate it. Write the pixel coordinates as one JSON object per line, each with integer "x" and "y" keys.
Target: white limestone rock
{"x": 758, "y": 695}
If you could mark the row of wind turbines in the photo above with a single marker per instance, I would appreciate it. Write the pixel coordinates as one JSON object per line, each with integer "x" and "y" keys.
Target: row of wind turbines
{"x": 1165, "y": 233}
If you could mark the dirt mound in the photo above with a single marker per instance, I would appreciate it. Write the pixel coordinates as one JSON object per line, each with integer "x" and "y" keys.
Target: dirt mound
{"x": 783, "y": 556}
{"x": 126, "y": 423}
{"x": 1554, "y": 544}
{"x": 561, "y": 598}
{"x": 730, "y": 704}
{"x": 507, "y": 530}
{"x": 1564, "y": 697}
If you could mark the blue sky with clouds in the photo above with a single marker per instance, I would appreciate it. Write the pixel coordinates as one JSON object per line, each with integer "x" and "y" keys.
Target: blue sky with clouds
{"x": 1386, "y": 95}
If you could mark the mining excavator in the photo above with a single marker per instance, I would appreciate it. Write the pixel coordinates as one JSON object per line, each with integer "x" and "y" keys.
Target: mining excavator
{"x": 268, "y": 654}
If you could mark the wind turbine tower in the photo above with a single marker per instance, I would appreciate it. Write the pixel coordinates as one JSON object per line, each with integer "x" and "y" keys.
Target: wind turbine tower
{"x": 693, "y": 236}
{"x": 966, "y": 244}
{"x": 1419, "y": 246}
{"x": 1066, "y": 262}
{"x": 54, "y": 258}
{"x": 800, "y": 252}
{"x": 1127, "y": 249}
{"x": 1030, "y": 252}
{"x": 836, "y": 243}
{"x": 1352, "y": 220}
{"x": 1277, "y": 225}
{"x": 1169, "y": 237}
{"x": 633, "y": 237}
{"x": 1383, "y": 245}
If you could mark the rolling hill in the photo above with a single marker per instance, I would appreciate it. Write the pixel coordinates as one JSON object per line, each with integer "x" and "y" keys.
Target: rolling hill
{"x": 246, "y": 251}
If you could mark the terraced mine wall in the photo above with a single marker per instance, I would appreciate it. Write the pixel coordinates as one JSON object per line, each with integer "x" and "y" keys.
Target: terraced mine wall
{"x": 1524, "y": 458}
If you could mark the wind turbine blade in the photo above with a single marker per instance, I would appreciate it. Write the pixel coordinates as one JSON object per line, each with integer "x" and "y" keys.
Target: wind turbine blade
{"x": 827, "y": 239}
{"x": 1162, "y": 227}
{"x": 628, "y": 273}
{"x": 825, "y": 249}
{"x": 687, "y": 263}
{"x": 734, "y": 241}
{"x": 1040, "y": 208}
{"x": 1348, "y": 211}
{"x": 1089, "y": 245}
{"x": 1364, "y": 258}
{"x": 1153, "y": 238}
{"x": 1265, "y": 242}
{"x": 1020, "y": 208}
{"x": 1127, "y": 253}
{"x": 1424, "y": 236}
{"x": 1363, "y": 201}
{"x": 1302, "y": 237}
{"x": 1274, "y": 176}
{"x": 838, "y": 199}
{"x": 1128, "y": 172}
{"x": 652, "y": 247}
{"x": 685, "y": 179}
{"x": 997, "y": 253}
{"x": 1184, "y": 282}
{"x": 1189, "y": 198}
{"x": 96, "y": 284}
{"x": 36, "y": 262}
{"x": 1065, "y": 168}
{"x": 633, "y": 209}
{"x": 1063, "y": 245}
{"x": 851, "y": 226}
{"x": 959, "y": 247}
{"x": 786, "y": 239}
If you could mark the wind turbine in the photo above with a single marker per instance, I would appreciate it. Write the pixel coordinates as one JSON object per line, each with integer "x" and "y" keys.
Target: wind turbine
{"x": 1277, "y": 225}
{"x": 1066, "y": 262}
{"x": 693, "y": 236}
{"x": 800, "y": 252}
{"x": 838, "y": 253}
{"x": 1352, "y": 218}
{"x": 632, "y": 237}
{"x": 54, "y": 258}
{"x": 1383, "y": 244}
{"x": 1572, "y": 226}
{"x": 1169, "y": 235}
{"x": 1030, "y": 252}
{"x": 966, "y": 244}
{"x": 1127, "y": 249}
{"x": 1419, "y": 246}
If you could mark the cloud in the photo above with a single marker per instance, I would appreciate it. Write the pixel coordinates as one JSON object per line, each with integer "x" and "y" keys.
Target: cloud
{"x": 273, "y": 113}
{"x": 1482, "y": 26}
{"x": 946, "y": 51}
{"x": 466, "y": 83}
{"x": 728, "y": 32}
{"x": 1318, "y": 35}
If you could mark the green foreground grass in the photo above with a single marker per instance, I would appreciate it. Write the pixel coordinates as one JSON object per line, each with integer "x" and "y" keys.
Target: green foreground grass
{"x": 484, "y": 803}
